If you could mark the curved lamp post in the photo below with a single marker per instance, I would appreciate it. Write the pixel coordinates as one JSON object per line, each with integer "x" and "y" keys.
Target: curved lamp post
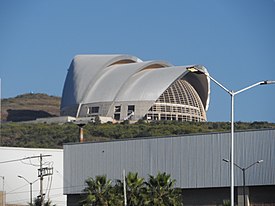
{"x": 198, "y": 69}
{"x": 30, "y": 186}
{"x": 243, "y": 170}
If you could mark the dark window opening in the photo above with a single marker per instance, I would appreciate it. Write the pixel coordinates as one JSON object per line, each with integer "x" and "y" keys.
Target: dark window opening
{"x": 131, "y": 109}
{"x": 94, "y": 110}
{"x": 117, "y": 108}
{"x": 117, "y": 116}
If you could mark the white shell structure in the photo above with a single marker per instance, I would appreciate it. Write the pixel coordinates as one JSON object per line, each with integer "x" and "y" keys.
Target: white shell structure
{"x": 124, "y": 87}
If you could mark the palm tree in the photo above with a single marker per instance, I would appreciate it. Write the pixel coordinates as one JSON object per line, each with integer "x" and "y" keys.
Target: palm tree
{"x": 135, "y": 189}
{"x": 161, "y": 191}
{"x": 100, "y": 192}
{"x": 158, "y": 191}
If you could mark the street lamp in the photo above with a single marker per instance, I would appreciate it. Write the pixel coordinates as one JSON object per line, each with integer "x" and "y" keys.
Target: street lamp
{"x": 198, "y": 69}
{"x": 80, "y": 125}
{"x": 3, "y": 193}
{"x": 243, "y": 170}
{"x": 30, "y": 186}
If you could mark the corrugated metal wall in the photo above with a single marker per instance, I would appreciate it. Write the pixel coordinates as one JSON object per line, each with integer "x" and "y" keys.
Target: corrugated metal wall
{"x": 195, "y": 161}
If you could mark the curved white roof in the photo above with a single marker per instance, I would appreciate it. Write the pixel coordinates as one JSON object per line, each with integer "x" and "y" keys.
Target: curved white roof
{"x": 84, "y": 72}
{"x": 114, "y": 78}
{"x": 110, "y": 78}
{"x": 149, "y": 84}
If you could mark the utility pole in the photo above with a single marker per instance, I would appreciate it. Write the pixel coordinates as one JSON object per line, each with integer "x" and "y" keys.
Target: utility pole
{"x": 41, "y": 173}
{"x": 41, "y": 182}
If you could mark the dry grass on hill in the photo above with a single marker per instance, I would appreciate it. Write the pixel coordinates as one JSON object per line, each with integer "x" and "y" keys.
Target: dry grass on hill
{"x": 30, "y": 106}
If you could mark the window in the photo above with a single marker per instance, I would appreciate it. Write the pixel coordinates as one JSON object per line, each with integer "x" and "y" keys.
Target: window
{"x": 174, "y": 117}
{"x": 117, "y": 112}
{"x": 117, "y": 109}
{"x": 93, "y": 110}
{"x": 131, "y": 109}
{"x": 155, "y": 117}
{"x": 117, "y": 116}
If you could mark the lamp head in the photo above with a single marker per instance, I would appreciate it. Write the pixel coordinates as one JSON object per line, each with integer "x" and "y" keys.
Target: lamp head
{"x": 196, "y": 69}
{"x": 226, "y": 160}
{"x": 19, "y": 176}
{"x": 260, "y": 161}
{"x": 267, "y": 82}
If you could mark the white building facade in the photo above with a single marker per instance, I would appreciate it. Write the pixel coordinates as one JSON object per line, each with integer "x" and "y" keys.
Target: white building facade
{"x": 124, "y": 87}
{"x": 25, "y": 162}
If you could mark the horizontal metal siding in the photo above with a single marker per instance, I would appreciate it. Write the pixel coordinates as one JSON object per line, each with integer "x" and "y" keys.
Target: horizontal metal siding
{"x": 195, "y": 161}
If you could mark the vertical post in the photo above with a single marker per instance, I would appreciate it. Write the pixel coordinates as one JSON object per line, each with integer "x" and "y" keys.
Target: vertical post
{"x": 31, "y": 193}
{"x": 244, "y": 201}
{"x": 3, "y": 193}
{"x": 124, "y": 188}
{"x": 41, "y": 182}
{"x": 81, "y": 134}
{"x": 81, "y": 125}
{"x": 232, "y": 148}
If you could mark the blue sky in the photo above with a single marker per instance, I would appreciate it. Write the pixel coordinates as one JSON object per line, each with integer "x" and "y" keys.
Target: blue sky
{"x": 233, "y": 39}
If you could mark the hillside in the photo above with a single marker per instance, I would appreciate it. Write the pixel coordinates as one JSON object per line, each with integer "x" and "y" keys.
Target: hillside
{"x": 29, "y": 107}
{"x": 55, "y": 135}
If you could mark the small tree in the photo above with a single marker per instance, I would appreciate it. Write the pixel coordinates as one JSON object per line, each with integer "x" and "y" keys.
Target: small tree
{"x": 37, "y": 202}
{"x": 97, "y": 120}
{"x": 161, "y": 191}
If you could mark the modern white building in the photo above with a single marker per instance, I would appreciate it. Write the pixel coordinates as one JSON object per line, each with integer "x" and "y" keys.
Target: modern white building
{"x": 124, "y": 87}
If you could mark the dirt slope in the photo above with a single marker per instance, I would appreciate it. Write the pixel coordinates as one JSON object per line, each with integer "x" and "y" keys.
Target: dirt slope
{"x": 29, "y": 107}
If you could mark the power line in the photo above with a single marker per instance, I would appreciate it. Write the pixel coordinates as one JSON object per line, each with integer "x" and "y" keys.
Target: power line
{"x": 56, "y": 188}
{"x": 12, "y": 191}
{"x": 16, "y": 160}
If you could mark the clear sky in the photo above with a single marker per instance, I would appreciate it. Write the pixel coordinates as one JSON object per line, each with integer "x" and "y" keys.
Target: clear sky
{"x": 233, "y": 39}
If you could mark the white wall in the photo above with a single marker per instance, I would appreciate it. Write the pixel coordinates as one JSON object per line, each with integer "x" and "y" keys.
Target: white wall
{"x": 17, "y": 189}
